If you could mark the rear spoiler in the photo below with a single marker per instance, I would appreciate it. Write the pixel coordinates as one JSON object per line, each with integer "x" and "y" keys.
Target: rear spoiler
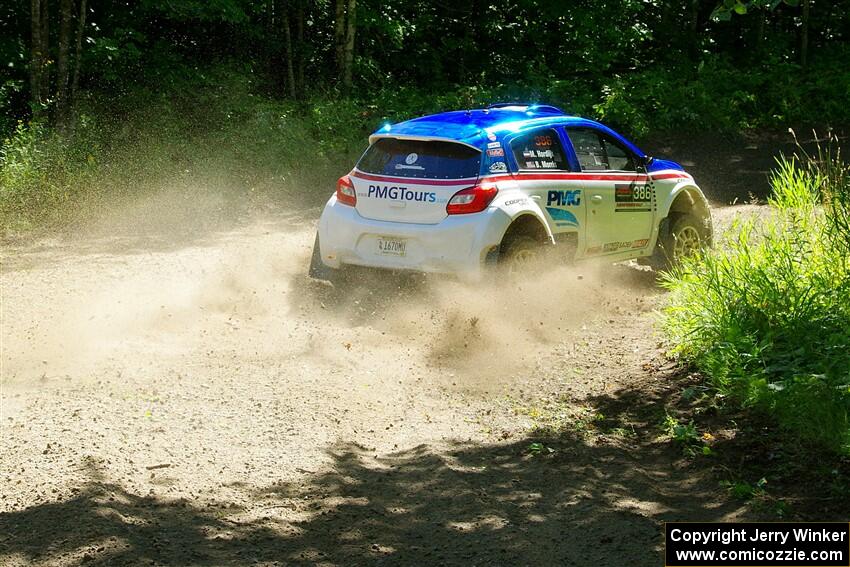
{"x": 375, "y": 137}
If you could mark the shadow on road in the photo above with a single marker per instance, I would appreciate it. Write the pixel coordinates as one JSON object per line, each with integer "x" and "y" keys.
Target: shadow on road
{"x": 573, "y": 499}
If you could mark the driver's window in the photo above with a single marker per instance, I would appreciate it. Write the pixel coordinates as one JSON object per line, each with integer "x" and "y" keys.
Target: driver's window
{"x": 599, "y": 153}
{"x": 618, "y": 158}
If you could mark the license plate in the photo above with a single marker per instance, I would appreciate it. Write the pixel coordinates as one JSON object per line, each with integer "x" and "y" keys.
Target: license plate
{"x": 392, "y": 246}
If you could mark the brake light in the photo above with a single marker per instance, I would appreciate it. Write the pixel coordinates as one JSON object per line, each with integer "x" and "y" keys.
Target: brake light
{"x": 471, "y": 200}
{"x": 345, "y": 191}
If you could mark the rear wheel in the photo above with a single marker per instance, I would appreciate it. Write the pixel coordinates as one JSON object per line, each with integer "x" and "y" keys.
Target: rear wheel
{"x": 521, "y": 254}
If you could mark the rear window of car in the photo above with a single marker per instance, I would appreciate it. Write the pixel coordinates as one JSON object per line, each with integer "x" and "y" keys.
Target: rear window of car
{"x": 421, "y": 159}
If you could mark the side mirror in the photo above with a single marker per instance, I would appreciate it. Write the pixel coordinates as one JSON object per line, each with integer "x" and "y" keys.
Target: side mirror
{"x": 643, "y": 163}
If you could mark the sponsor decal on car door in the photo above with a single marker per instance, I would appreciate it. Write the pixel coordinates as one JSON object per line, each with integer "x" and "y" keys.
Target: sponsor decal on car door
{"x": 620, "y": 200}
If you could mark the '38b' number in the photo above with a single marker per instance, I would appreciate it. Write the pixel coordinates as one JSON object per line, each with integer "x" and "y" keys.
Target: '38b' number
{"x": 641, "y": 192}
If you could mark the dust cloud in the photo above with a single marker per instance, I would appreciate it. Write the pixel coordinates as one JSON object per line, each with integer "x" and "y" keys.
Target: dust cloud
{"x": 170, "y": 277}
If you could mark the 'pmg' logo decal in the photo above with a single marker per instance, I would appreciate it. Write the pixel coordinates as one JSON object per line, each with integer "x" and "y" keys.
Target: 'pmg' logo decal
{"x": 564, "y": 198}
{"x": 562, "y": 217}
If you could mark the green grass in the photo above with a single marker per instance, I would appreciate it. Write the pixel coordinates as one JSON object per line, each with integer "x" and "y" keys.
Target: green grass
{"x": 766, "y": 315}
{"x": 217, "y": 138}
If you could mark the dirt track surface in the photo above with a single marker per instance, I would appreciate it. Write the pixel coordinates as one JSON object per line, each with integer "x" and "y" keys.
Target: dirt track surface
{"x": 196, "y": 401}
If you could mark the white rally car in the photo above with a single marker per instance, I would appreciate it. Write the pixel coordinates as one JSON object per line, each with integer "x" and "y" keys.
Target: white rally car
{"x": 462, "y": 191}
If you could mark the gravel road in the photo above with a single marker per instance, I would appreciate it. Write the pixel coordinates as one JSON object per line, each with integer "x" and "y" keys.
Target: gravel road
{"x": 192, "y": 399}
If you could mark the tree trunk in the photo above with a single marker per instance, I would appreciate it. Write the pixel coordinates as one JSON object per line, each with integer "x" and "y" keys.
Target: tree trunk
{"x": 268, "y": 20}
{"x": 36, "y": 63}
{"x": 348, "y": 56}
{"x": 300, "y": 51}
{"x": 339, "y": 34}
{"x": 45, "y": 51}
{"x": 693, "y": 28}
{"x": 467, "y": 44}
{"x": 63, "y": 67}
{"x": 287, "y": 43}
{"x": 804, "y": 35}
{"x": 78, "y": 51}
{"x": 760, "y": 25}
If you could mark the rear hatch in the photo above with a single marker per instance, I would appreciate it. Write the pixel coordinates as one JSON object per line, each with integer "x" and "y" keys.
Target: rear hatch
{"x": 405, "y": 180}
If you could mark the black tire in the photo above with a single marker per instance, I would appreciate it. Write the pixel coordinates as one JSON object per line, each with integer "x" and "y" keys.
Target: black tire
{"x": 520, "y": 254}
{"x": 318, "y": 270}
{"x": 684, "y": 236}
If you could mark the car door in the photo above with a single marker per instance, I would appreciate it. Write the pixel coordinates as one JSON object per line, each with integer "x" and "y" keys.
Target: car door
{"x": 620, "y": 199}
{"x": 543, "y": 172}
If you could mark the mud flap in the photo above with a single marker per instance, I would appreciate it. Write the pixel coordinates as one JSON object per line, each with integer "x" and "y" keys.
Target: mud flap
{"x": 659, "y": 259}
{"x": 318, "y": 270}
{"x": 491, "y": 259}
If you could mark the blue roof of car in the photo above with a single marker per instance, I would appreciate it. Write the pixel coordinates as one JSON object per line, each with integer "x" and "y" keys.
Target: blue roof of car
{"x": 475, "y": 127}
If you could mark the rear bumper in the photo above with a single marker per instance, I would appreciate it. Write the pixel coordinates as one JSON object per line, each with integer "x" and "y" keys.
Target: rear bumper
{"x": 459, "y": 244}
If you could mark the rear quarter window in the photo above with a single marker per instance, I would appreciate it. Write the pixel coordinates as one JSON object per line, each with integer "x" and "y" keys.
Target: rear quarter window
{"x": 539, "y": 150}
{"x": 421, "y": 159}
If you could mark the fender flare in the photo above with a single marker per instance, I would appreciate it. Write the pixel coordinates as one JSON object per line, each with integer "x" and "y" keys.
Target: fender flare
{"x": 533, "y": 210}
{"x": 696, "y": 202}
{"x": 686, "y": 187}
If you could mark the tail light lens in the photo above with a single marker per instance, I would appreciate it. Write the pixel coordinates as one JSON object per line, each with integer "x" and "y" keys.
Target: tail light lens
{"x": 345, "y": 191}
{"x": 471, "y": 200}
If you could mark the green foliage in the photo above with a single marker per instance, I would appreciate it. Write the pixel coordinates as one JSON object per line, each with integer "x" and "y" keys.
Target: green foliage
{"x": 727, "y": 8}
{"x": 685, "y": 434}
{"x": 743, "y": 490}
{"x": 8, "y": 91}
{"x": 767, "y": 314}
{"x": 231, "y": 11}
{"x": 539, "y": 449}
{"x": 220, "y": 136}
{"x": 38, "y": 175}
{"x": 687, "y": 437}
{"x": 640, "y": 65}
{"x": 718, "y": 95}
{"x": 222, "y": 115}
